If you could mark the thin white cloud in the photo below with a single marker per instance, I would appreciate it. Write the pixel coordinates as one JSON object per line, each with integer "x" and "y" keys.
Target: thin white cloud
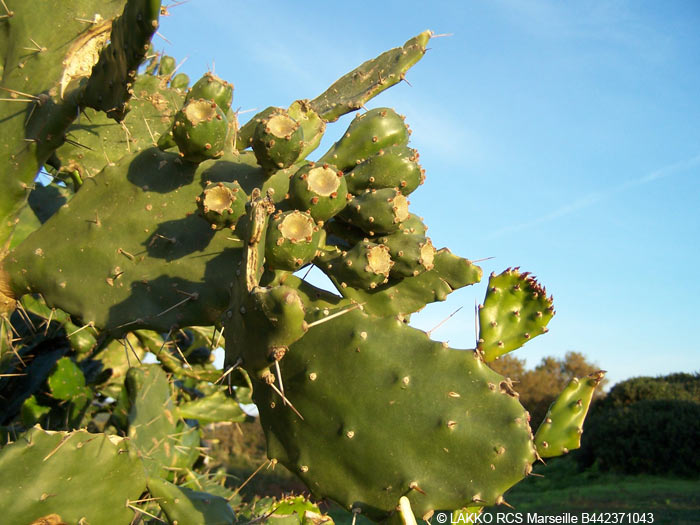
{"x": 595, "y": 197}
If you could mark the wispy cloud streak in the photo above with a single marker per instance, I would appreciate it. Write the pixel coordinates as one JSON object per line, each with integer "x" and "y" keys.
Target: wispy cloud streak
{"x": 595, "y": 197}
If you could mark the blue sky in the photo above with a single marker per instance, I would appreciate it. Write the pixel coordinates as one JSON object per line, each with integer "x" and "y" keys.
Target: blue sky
{"x": 561, "y": 137}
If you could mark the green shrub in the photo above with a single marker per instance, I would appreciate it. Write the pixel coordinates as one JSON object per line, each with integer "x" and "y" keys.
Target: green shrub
{"x": 650, "y": 436}
{"x": 679, "y": 387}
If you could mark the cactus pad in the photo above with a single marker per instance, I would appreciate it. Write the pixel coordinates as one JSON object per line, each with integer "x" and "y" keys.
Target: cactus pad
{"x": 48, "y": 470}
{"x": 445, "y": 439}
{"x": 515, "y": 310}
{"x": 562, "y": 427}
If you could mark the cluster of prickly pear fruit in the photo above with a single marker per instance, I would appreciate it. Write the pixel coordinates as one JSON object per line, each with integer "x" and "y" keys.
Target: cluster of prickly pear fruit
{"x": 367, "y": 410}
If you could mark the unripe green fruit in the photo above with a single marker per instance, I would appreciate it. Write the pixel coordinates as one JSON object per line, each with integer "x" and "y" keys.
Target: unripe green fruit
{"x": 180, "y": 81}
{"x": 366, "y": 265}
{"x": 393, "y": 167}
{"x": 412, "y": 253}
{"x": 367, "y": 135}
{"x": 200, "y": 130}
{"x": 377, "y": 211}
{"x": 167, "y": 65}
{"x": 292, "y": 240}
{"x": 277, "y": 141}
{"x": 319, "y": 189}
{"x": 211, "y": 87}
{"x": 222, "y": 204}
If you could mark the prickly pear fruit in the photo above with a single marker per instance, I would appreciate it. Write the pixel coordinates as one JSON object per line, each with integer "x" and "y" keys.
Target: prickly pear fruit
{"x": 222, "y": 203}
{"x": 413, "y": 224}
{"x": 366, "y": 265}
{"x": 277, "y": 141}
{"x": 292, "y": 240}
{"x": 319, "y": 189}
{"x": 200, "y": 130}
{"x": 393, "y": 167}
{"x": 273, "y": 318}
{"x": 367, "y": 135}
{"x": 412, "y": 254}
{"x": 211, "y": 87}
{"x": 377, "y": 211}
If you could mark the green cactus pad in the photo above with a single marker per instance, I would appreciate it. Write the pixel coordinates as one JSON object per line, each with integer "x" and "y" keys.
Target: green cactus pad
{"x": 82, "y": 338}
{"x": 47, "y": 61}
{"x": 273, "y": 319}
{"x": 213, "y": 408}
{"x": 377, "y": 211}
{"x": 411, "y": 294}
{"x": 412, "y": 254}
{"x": 353, "y": 90}
{"x": 292, "y": 240}
{"x": 222, "y": 204}
{"x": 200, "y": 130}
{"x": 319, "y": 189}
{"x": 32, "y": 411}
{"x": 211, "y": 87}
{"x": 186, "y": 506}
{"x": 153, "y": 108}
{"x": 365, "y": 266}
{"x": 156, "y": 434}
{"x": 368, "y": 134}
{"x": 562, "y": 427}
{"x": 297, "y": 510}
{"x": 444, "y": 431}
{"x": 515, "y": 310}
{"x": 107, "y": 88}
{"x": 79, "y": 476}
{"x": 393, "y": 167}
{"x": 125, "y": 253}
{"x": 277, "y": 141}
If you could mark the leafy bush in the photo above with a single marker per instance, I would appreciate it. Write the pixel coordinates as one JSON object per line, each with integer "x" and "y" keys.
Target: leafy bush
{"x": 646, "y": 425}
{"x": 679, "y": 387}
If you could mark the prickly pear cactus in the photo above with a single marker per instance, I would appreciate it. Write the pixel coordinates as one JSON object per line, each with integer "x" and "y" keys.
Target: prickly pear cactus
{"x": 189, "y": 221}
